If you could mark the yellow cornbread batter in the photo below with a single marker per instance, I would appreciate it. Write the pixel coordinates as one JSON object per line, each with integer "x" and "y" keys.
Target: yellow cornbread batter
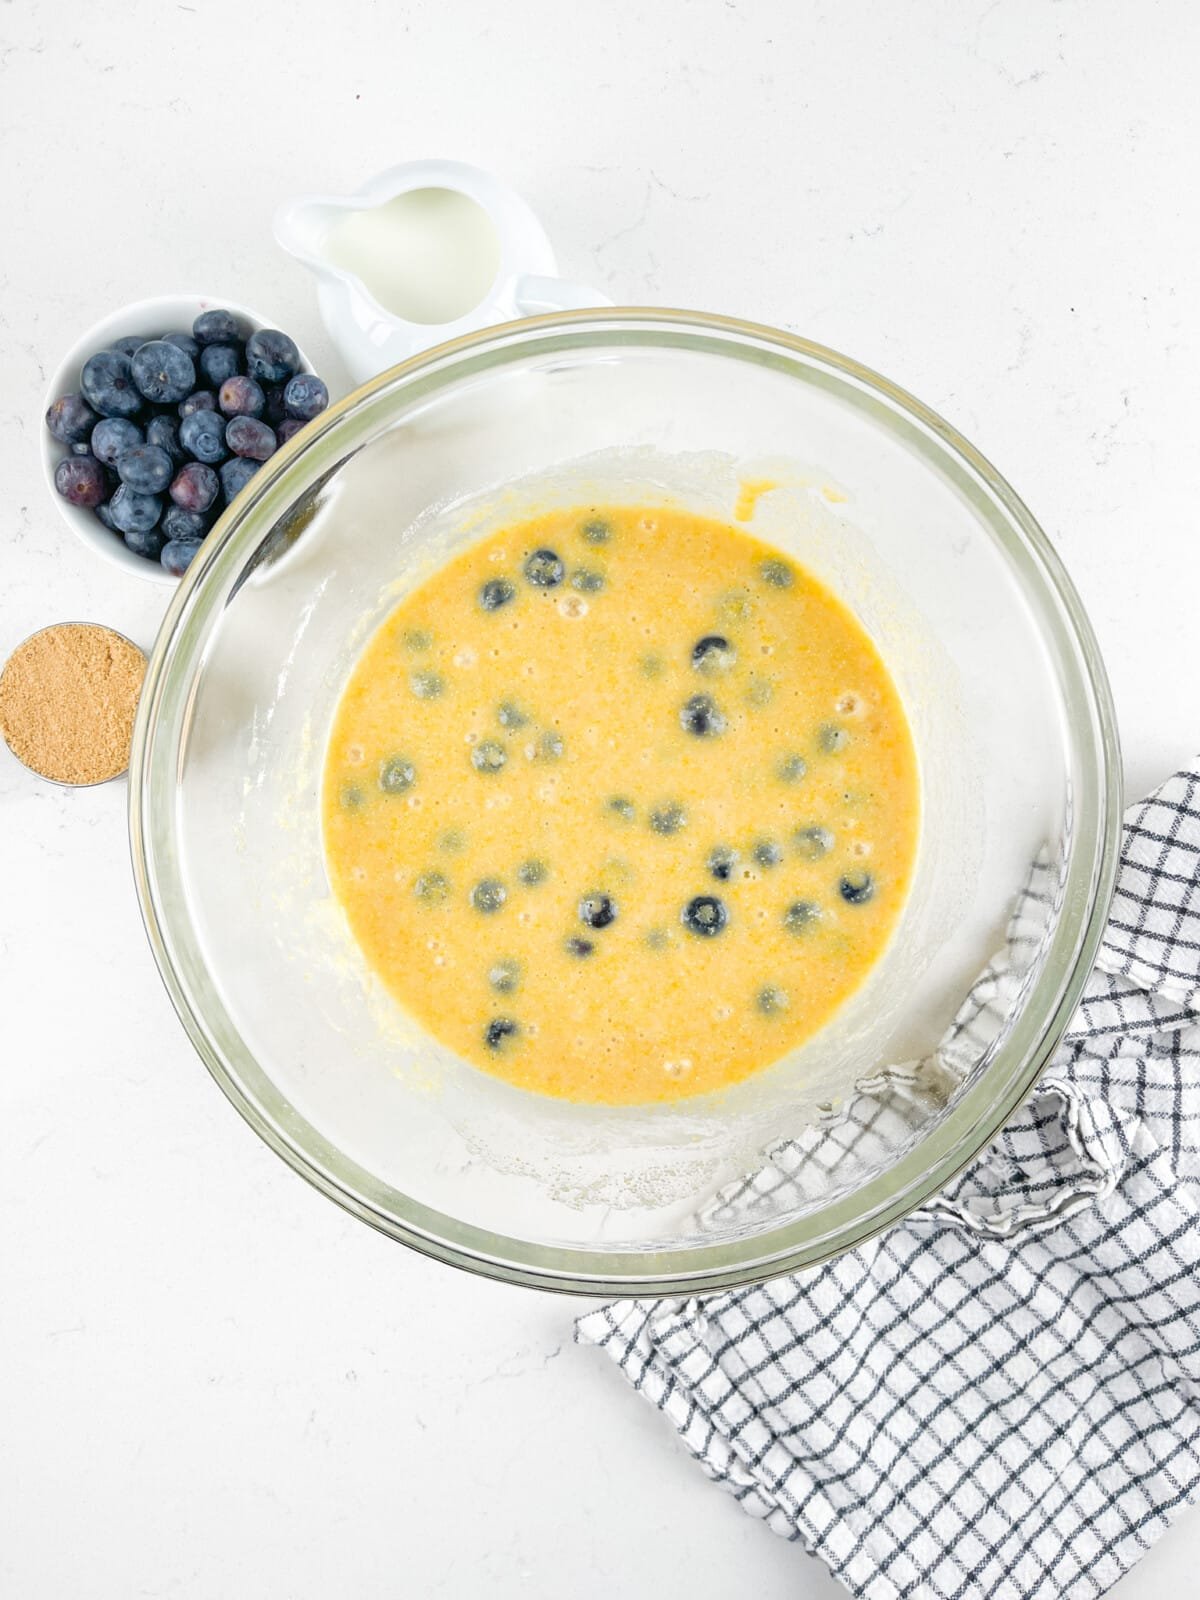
{"x": 621, "y": 804}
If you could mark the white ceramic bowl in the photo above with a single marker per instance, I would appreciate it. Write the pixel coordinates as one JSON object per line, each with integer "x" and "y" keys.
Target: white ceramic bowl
{"x": 165, "y": 313}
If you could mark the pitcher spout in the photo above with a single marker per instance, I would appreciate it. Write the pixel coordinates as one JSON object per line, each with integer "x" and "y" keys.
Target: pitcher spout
{"x": 303, "y": 228}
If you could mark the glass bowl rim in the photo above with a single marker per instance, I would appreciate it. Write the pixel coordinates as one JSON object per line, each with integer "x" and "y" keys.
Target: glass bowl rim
{"x": 975, "y": 1118}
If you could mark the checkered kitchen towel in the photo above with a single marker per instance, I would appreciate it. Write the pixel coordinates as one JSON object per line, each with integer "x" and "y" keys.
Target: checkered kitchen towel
{"x": 953, "y": 1412}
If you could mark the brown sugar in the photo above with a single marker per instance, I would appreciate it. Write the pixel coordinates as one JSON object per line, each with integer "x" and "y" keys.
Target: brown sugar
{"x": 67, "y": 701}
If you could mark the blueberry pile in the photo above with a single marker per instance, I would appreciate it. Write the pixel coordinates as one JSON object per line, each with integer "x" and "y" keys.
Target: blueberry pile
{"x": 164, "y": 432}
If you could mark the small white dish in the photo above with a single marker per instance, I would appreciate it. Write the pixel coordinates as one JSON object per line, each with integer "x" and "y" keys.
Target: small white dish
{"x": 166, "y": 313}
{"x": 511, "y": 272}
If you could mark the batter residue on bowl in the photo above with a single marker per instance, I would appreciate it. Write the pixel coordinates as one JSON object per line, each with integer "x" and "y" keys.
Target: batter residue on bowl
{"x": 621, "y": 804}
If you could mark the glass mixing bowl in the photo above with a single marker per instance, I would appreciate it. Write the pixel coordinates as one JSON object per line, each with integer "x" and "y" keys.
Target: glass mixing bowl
{"x": 1010, "y": 711}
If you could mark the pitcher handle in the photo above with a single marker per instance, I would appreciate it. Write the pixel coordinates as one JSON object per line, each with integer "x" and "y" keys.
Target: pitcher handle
{"x": 535, "y": 295}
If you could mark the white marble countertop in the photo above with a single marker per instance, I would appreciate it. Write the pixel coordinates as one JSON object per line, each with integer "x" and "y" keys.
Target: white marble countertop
{"x": 213, "y": 1383}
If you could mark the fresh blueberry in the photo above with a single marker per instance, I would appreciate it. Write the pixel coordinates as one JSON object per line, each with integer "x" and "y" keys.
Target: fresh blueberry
{"x": 721, "y": 862}
{"x": 801, "y": 915}
{"x": 127, "y": 345}
{"x": 488, "y": 896}
{"x": 544, "y": 569}
{"x": 813, "y": 843}
{"x": 271, "y": 356}
{"x": 305, "y": 396}
{"x": 108, "y": 386}
{"x": 713, "y": 653}
{"x": 235, "y": 475}
{"x": 112, "y": 436}
{"x": 133, "y": 512}
{"x": 496, "y": 592}
{"x": 771, "y": 1000}
{"x": 700, "y": 716}
{"x": 180, "y": 524}
{"x": 145, "y": 468}
{"x": 831, "y": 738}
{"x": 241, "y": 397}
{"x": 432, "y": 888}
{"x": 288, "y": 429}
{"x": 70, "y": 419}
{"x": 163, "y": 373}
{"x": 219, "y": 363}
{"x": 597, "y": 910}
{"x": 704, "y": 915}
{"x": 195, "y": 487}
{"x": 505, "y": 975}
{"x": 202, "y": 434}
{"x": 856, "y": 888}
{"x": 396, "y": 775}
{"x": 246, "y": 436}
{"x": 596, "y": 531}
{"x": 668, "y": 818}
{"x": 106, "y": 517}
{"x": 81, "y": 447}
{"x": 146, "y": 542}
{"x": 216, "y": 327}
{"x": 163, "y": 431}
{"x": 767, "y": 853}
{"x": 618, "y": 806}
{"x": 791, "y": 768}
{"x": 81, "y": 481}
{"x": 184, "y": 342}
{"x": 532, "y": 872}
{"x": 551, "y": 746}
{"x": 585, "y": 581}
{"x": 777, "y": 573}
{"x": 489, "y": 756}
{"x": 498, "y": 1030}
{"x": 510, "y": 715}
{"x": 427, "y": 685}
{"x": 202, "y": 400}
{"x": 575, "y": 946}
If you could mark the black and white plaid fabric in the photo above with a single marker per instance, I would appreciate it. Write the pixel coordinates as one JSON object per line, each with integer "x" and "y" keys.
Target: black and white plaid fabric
{"x": 956, "y": 1413}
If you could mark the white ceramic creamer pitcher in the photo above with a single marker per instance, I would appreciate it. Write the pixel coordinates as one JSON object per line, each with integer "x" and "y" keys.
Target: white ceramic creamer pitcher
{"x": 420, "y": 254}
